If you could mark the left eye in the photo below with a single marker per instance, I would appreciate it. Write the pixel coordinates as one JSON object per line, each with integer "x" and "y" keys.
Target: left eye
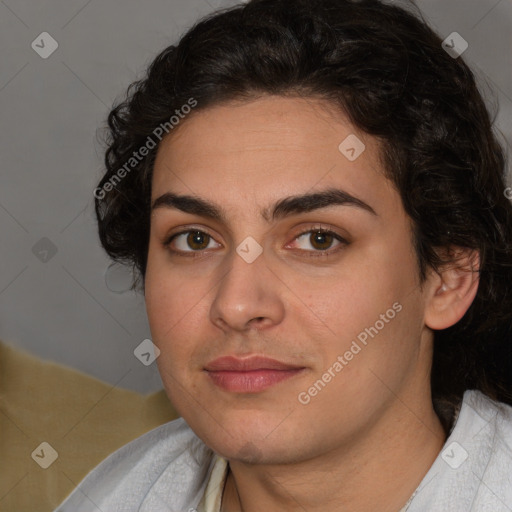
{"x": 319, "y": 239}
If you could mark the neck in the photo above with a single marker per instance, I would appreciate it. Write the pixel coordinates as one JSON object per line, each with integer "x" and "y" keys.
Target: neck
{"x": 379, "y": 470}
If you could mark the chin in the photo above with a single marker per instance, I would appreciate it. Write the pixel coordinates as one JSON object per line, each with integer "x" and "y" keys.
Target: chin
{"x": 262, "y": 440}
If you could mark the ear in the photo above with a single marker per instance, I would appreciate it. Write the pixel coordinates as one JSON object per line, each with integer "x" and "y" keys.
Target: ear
{"x": 452, "y": 289}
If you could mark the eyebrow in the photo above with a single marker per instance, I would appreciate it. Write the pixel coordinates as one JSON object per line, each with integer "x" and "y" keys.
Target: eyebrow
{"x": 285, "y": 207}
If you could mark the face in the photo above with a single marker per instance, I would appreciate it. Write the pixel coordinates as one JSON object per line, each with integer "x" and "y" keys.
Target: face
{"x": 263, "y": 262}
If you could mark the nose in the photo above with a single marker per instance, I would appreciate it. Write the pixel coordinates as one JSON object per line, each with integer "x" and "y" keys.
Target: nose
{"x": 249, "y": 296}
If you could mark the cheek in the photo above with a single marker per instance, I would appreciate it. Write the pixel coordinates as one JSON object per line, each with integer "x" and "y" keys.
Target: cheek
{"x": 172, "y": 311}
{"x": 365, "y": 285}
{"x": 168, "y": 313}
{"x": 171, "y": 296}
{"x": 372, "y": 308}
{"x": 177, "y": 305}
{"x": 175, "y": 317}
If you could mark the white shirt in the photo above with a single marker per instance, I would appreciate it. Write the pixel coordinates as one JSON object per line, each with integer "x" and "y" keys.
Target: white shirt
{"x": 212, "y": 497}
{"x": 169, "y": 469}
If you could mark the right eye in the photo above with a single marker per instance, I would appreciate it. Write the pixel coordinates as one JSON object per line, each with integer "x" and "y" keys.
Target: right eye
{"x": 189, "y": 241}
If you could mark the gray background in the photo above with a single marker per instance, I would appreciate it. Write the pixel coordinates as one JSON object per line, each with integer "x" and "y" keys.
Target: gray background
{"x": 58, "y": 299}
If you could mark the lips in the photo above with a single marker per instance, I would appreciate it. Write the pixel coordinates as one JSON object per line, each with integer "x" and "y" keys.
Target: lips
{"x": 250, "y": 375}
{"x": 230, "y": 363}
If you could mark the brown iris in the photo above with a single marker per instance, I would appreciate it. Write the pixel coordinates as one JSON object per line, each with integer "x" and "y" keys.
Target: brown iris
{"x": 198, "y": 240}
{"x": 321, "y": 240}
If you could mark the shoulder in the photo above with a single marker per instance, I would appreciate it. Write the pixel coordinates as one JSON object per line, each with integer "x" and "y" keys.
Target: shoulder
{"x": 495, "y": 419}
{"x": 491, "y": 424}
{"x": 474, "y": 469}
{"x": 490, "y": 455}
{"x": 165, "y": 469}
{"x": 497, "y": 413}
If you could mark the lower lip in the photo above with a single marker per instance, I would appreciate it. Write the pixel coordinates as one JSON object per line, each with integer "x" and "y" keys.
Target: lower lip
{"x": 250, "y": 381}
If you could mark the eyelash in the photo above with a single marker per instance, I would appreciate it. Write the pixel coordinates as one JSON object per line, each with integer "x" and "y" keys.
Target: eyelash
{"x": 313, "y": 254}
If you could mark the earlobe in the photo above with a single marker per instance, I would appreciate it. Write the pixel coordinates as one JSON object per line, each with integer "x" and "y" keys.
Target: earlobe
{"x": 453, "y": 289}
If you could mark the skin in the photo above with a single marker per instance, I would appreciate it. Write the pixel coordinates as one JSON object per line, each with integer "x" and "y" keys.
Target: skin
{"x": 365, "y": 441}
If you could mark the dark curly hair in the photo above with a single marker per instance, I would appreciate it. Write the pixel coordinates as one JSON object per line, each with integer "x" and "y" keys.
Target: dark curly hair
{"x": 388, "y": 72}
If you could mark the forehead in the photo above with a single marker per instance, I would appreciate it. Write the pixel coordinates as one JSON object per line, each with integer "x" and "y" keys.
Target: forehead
{"x": 266, "y": 149}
